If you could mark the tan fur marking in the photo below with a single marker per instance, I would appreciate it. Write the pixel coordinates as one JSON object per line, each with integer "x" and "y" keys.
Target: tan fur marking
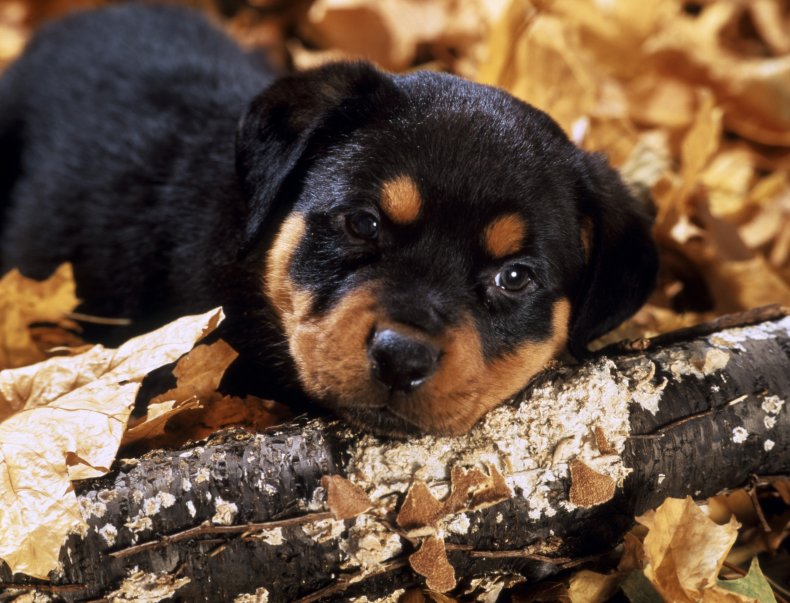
{"x": 331, "y": 350}
{"x": 586, "y": 236}
{"x": 400, "y": 200}
{"x": 505, "y": 235}
{"x": 278, "y": 286}
{"x": 466, "y": 386}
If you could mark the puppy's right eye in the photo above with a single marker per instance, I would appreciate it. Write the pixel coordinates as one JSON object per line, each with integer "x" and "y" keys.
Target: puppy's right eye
{"x": 363, "y": 225}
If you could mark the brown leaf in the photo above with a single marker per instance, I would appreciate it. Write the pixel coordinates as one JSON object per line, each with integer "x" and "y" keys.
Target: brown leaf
{"x": 344, "y": 498}
{"x": 194, "y": 409}
{"x": 199, "y": 373}
{"x": 23, "y": 302}
{"x": 463, "y": 483}
{"x": 420, "y": 508}
{"x": 602, "y": 443}
{"x": 74, "y": 436}
{"x": 588, "y": 487}
{"x": 469, "y": 489}
{"x": 494, "y": 491}
{"x": 431, "y": 561}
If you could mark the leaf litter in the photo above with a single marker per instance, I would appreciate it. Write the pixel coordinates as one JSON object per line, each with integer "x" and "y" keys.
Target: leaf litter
{"x": 688, "y": 99}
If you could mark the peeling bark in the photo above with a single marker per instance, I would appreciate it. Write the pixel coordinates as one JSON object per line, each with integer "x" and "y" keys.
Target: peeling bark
{"x": 538, "y": 486}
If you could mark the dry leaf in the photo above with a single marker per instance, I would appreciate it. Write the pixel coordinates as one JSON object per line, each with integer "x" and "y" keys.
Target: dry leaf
{"x": 591, "y": 587}
{"x": 199, "y": 373}
{"x": 431, "y": 561}
{"x": 194, "y": 409}
{"x": 469, "y": 489}
{"x": 684, "y": 549}
{"x": 345, "y": 499}
{"x": 24, "y": 301}
{"x": 420, "y": 508}
{"x": 75, "y": 436}
{"x": 391, "y": 32}
{"x": 588, "y": 487}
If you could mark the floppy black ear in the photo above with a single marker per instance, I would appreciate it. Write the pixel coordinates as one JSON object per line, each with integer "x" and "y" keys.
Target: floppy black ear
{"x": 282, "y": 125}
{"x": 622, "y": 259}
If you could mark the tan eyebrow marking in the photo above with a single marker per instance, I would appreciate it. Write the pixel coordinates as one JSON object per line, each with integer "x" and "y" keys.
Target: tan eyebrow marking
{"x": 400, "y": 200}
{"x": 505, "y": 235}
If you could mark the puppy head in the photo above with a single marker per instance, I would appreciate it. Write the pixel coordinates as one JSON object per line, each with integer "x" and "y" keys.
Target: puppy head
{"x": 431, "y": 244}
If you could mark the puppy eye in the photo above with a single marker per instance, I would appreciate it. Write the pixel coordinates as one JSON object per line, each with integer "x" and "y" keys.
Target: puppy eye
{"x": 363, "y": 225}
{"x": 513, "y": 277}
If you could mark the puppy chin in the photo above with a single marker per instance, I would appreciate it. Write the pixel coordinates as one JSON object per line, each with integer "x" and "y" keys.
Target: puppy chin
{"x": 379, "y": 420}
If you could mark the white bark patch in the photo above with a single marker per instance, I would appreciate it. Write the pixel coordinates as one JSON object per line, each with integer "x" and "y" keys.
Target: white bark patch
{"x": 261, "y": 595}
{"x": 370, "y": 543}
{"x": 225, "y": 512}
{"x": 191, "y": 508}
{"x": 701, "y": 363}
{"x": 273, "y": 537}
{"x": 769, "y": 421}
{"x": 166, "y": 499}
{"x": 106, "y": 496}
{"x": 109, "y": 533}
{"x": 186, "y": 485}
{"x": 739, "y": 435}
{"x": 151, "y": 506}
{"x": 773, "y": 405}
{"x": 139, "y": 523}
{"x": 91, "y": 508}
{"x": 521, "y": 440}
{"x": 393, "y": 597}
{"x": 733, "y": 338}
{"x": 768, "y": 445}
{"x": 458, "y": 524}
{"x": 148, "y": 587}
{"x": 203, "y": 475}
{"x": 326, "y": 529}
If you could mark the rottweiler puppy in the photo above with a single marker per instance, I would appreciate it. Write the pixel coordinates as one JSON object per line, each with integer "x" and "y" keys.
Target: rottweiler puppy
{"x": 408, "y": 250}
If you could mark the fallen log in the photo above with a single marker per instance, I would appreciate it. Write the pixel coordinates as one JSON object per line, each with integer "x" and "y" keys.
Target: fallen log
{"x": 540, "y": 485}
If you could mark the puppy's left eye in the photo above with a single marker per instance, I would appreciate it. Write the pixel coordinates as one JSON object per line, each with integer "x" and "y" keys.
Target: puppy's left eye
{"x": 514, "y": 277}
{"x": 363, "y": 225}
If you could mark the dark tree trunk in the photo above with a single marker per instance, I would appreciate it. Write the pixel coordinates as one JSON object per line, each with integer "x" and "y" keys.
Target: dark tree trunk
{"x": 541, "y": 483}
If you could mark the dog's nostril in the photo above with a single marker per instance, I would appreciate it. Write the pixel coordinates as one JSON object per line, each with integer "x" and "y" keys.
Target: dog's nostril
{"x": 401, "y": 362}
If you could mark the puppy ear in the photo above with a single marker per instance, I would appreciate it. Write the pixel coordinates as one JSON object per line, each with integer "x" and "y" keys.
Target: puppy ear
{"x": 282, "y": 126}
{"x": 621, "y": 255}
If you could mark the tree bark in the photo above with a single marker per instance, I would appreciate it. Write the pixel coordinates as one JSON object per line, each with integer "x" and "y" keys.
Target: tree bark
{"x": 541, "y": 484}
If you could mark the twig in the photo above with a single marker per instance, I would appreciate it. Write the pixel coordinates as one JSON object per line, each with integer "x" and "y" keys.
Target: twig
{"x": 343, "y": 582}
{"x": 204, "y": 529}
{"x": 728, "y": 321}
{"x": 758, "y": 508}
{"x": 99, "y": 320}
{"x": 47, "y": 588}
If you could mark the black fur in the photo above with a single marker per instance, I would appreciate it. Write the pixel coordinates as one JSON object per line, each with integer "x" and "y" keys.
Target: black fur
{"x": 145, "y": 147}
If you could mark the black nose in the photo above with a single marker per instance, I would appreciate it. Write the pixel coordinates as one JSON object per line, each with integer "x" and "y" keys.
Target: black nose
{"x": 401, "y": 362}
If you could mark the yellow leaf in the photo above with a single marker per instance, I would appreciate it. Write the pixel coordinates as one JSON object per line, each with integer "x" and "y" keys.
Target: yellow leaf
{"x": 684, "y": 549}
{"x": 24, "y": 301}
{"x": 74, "y": 436}
{"x": 702, "y": 140}
{"x": 591, "y": 587}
